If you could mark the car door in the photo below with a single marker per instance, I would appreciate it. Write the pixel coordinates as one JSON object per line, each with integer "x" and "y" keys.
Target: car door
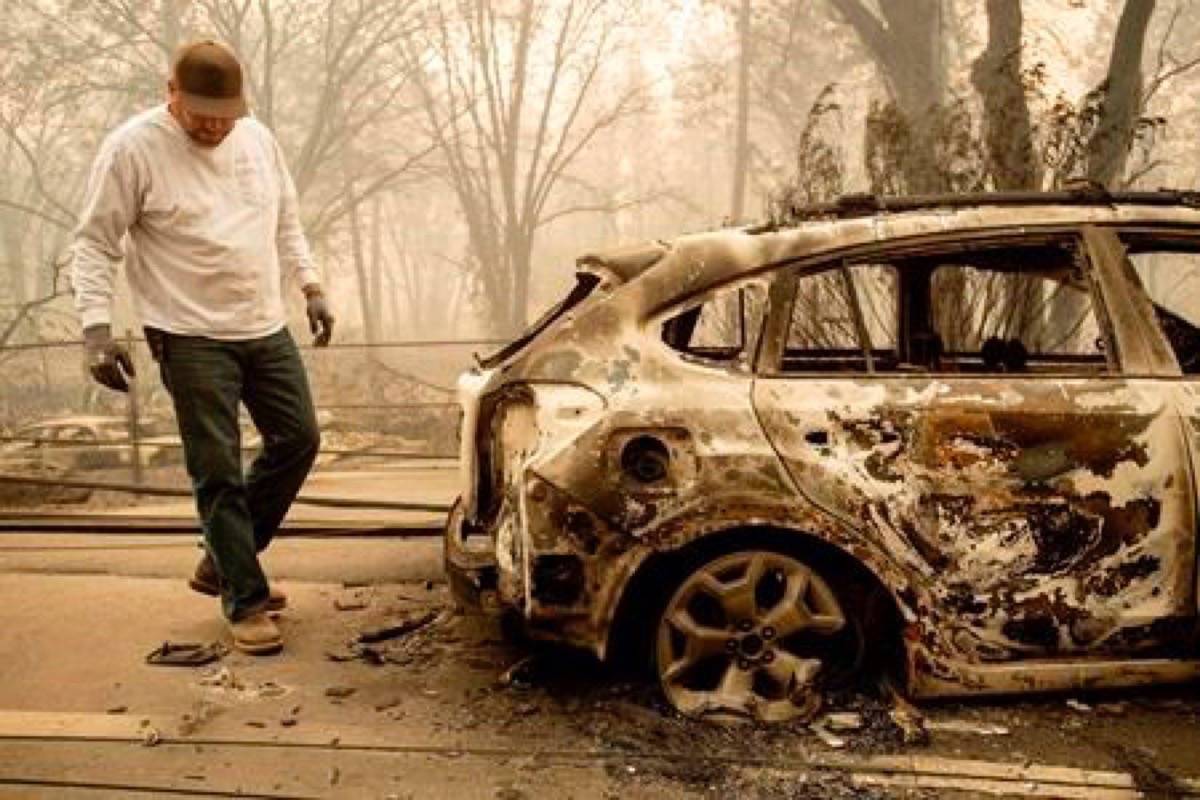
{"x": 1166, "y": 263}
{"x": 992, "y": 446}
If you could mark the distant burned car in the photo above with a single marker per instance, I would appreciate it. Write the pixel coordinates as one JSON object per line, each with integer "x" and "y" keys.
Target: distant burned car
{"x": 952, "y": 436}
{"x": 70, "y": 443}
{"x": 88, "y": 442}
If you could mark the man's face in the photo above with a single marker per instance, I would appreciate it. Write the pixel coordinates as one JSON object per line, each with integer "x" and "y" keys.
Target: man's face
{"x": 204, "y": 131}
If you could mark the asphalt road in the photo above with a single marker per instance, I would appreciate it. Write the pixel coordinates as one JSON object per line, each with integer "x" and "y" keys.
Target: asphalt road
{"x": 428, "y": 714}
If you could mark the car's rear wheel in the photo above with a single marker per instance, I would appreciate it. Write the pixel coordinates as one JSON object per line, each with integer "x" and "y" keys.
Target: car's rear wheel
{"x": 752, "y": 635}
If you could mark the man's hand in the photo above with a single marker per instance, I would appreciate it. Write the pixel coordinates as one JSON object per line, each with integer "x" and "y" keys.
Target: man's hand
{"x": 107, "y": 359}
{"x": 320, "y": 318}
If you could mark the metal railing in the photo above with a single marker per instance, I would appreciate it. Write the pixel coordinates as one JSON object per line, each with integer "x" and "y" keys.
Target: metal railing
{"x": 381, "y": 402}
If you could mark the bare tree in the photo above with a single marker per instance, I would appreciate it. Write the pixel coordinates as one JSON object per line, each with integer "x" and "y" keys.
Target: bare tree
{"x": 511, "y": 97}
{"x": 329, "y": 78}
{"x": 425, "y": 287}
{"x": 997, "y": 76}
{"x": 1108, "y": 149}
{"x": 741, "y": 146}
{"x": 905, "y": 40}
{"x": 342, "y": 70}
{"x": 45, "y": 103}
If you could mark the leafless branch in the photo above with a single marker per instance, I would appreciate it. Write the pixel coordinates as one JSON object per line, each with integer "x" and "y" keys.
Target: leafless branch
{"x": 40, "y": 214}
{"x": 27, "y": 309}
{"x": 1164, "y": 72}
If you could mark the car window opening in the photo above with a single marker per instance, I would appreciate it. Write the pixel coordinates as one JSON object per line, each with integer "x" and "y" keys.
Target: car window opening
{"x": 1010, "y": 309}
{"x": 717, "y": 329}
{"x": 844, "y": 320}
{"x": 1169, "y": 268}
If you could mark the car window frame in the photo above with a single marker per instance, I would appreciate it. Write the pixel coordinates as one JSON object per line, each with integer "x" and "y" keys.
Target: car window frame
{"x": 1149, "y": 323}
{"x": 1140, "y": 344}
{"x": 742, "y": 363}
{"x": 787, "y": 304}
{"x": 772, "y": 348}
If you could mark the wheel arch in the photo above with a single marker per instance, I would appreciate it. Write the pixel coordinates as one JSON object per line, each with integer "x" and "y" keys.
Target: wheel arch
{"x": 647, "y": 591}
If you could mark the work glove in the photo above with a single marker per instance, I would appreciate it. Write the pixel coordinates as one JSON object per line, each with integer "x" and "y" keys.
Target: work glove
{"x": 107, "y": 359}
{"x": 320, "y": 318}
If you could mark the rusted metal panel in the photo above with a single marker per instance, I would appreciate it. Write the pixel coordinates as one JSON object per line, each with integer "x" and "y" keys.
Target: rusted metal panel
{"x": 939, "y": 679}
{"x": 1036, "y": 517}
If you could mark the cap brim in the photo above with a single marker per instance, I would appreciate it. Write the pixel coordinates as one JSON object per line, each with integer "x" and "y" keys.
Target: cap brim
{"x": 227, "y": 107}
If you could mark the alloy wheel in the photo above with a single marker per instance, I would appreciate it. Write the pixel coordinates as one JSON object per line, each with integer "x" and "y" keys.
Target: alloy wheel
{"x": 747, "y": 636}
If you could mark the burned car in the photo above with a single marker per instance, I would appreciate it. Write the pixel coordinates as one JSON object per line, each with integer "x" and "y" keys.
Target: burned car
{"x": 955, "y": 437}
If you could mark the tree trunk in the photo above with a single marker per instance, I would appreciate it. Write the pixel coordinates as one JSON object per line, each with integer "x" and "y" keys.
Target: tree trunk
{"x": 12, "y": 237}
{"x": 375, "y": 329}
{"x": 14, "y": 254}
{"x": 265, "y": 99}
{"x": 373, "y": 321}
{"x": 996, "y": 75}
{"x": 393, "y": 296}
{"x": 360, "y": 266}
{"x": 1108, "y": 148}
{"x": 741, "y": 148}
{"x": 365, "y": 301}
{"x": 520, "y": 258}
{"x": 492, "y": 268}
{"x": 906, "y": 45}
{"x": 404, "y": 283}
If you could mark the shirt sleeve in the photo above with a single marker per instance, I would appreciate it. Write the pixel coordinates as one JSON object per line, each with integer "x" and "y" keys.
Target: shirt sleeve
{"x": 294, "y": 254}
{"x": 111, "y": 205}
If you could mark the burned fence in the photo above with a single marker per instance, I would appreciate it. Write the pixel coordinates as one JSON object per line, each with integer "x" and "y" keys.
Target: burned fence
{"x": 377, "y": 405}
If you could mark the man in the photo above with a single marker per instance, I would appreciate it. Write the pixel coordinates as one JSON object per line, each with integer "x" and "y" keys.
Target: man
{"x": 208, "y": 213}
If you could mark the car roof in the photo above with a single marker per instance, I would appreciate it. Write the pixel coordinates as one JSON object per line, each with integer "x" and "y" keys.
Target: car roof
{"x": 1082, "y": 193}
{"x": 695, "y": 263}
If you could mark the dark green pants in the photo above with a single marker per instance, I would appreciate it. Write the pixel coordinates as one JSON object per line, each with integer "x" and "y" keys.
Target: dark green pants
{"x": 206, "y": 379}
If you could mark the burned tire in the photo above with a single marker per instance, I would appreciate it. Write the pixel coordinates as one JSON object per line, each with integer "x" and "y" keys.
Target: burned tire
{"x": 753, "y": 635}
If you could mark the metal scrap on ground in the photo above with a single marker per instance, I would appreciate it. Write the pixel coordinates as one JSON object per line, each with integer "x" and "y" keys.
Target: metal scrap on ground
{"x": 185, "y": 654}
{"x": 397, "y": 629}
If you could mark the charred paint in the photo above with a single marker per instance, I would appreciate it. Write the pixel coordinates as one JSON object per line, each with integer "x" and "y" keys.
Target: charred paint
{"x": 560, "y": 365}
{"x": 1012, "y": 517}
{"x": 1051, "y": 444}
{"x": 1116, "y": 581}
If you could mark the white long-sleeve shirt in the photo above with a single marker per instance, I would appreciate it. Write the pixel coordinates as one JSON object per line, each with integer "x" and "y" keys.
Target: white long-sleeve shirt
{"x": 210, "y": 230}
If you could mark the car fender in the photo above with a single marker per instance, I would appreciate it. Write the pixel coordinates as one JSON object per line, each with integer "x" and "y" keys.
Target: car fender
{"x": 726, "y": 517}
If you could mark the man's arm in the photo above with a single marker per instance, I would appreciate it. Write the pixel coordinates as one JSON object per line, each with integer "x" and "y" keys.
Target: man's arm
{"x": 110, "y": 207}
{"x": 295, "y": 255}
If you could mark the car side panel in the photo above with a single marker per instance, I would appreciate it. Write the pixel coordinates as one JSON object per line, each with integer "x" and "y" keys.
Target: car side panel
{"x": 1186, "y": 395}
{"x": 1035, "y": 517}
{"x": 584, "y": 512}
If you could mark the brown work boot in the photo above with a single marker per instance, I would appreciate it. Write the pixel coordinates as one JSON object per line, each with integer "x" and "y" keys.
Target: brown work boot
{"x": 257, "y": 634}
{"x": 206, "y": 581}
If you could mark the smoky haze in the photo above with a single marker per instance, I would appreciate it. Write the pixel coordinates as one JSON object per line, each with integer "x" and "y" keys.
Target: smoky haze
{"x": 454, "y": 157}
